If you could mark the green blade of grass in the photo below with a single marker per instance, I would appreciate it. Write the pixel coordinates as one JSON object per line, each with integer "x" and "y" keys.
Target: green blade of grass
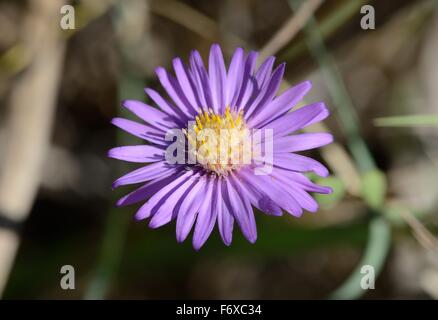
{"x": 379, "y": 238}
{"x": 130, "y": 86}
{"x": 338, "y": 92}
{"x": 327, "y": 27}
{"x": 416, "y": 120}
{"x": 376, "y": 251}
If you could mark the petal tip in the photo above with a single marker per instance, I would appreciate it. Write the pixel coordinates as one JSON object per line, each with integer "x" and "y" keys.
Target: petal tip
{"x": 307, "y": 83}
{"x": 120, "y": 202}
{"x": 117, "y": 121}
{"x": 227, "y": 242}
{"x": 110, "y": 153}
{"x": 115, "y": 185}
{"x": 180, "y": 237}
{"x": 128, "y": 103}
{"x": 159, "y": 71}
{"x": 330, "y": 138}
{"x": 252, "y": 239}
{"x": 197, "y": 245}
{"x": 139, "y": 216}
{"x": 322, "y": 172}
{"x": 215, "y": 46}
{"x": 329, "y": 190}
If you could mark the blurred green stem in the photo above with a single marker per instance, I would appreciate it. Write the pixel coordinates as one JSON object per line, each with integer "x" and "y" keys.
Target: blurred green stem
{"x": 415, "y": 120}
{"x": 339, "y": 94}
{"x": 327, "y": 27}
{"x": 376, "y": 251}
{"x": 110, "y": 253}
{"x": 130, "y": 86}
{"x": 130, "y": 25}
{"x": 374, "y": 182}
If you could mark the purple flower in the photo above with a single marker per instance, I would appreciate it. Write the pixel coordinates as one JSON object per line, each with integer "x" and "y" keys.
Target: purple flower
{"x": 235, "y": 150}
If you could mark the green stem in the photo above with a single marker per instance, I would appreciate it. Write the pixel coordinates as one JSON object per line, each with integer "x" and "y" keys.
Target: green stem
{"x": 327, "y": 27}
{"x": 379, "y": 238}
{"x": 130, "y": 86}
{"x": 408, "y": 121}
{"x": 376, "y": 251}
{"x": 339, "y": 94}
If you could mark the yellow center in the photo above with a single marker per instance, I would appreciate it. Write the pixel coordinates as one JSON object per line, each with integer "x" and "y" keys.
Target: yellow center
{"x": 219, "y": 143}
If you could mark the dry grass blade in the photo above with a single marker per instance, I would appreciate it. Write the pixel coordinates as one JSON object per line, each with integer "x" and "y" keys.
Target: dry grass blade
{"x": 193, "y": 20}
{"x": 421, "y": 233}
{"x": 32, "y": 106}
{"x": 290, "y": 28}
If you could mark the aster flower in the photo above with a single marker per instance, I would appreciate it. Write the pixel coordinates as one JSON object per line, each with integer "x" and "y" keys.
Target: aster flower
{"x": 221, "y": 177}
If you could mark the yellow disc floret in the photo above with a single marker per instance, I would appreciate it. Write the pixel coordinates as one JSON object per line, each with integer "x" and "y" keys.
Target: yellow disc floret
{"x": 219, "y": 143}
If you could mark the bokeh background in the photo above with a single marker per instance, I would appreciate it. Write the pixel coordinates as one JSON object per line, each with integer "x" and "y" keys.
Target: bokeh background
{"x": 60, "y": 88}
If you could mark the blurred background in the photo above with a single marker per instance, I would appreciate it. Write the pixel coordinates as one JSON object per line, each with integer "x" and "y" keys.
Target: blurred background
{"x": 59, "y": 89}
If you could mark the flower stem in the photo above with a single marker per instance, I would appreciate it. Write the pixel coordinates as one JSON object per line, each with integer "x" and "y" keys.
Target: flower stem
{"x": 131, "y": 86}
{"x": 339, "y": 94}
{"x": 373, "y": 181}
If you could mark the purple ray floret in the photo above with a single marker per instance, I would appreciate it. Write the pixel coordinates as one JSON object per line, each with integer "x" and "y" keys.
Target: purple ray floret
{"x": 237, "y": 101}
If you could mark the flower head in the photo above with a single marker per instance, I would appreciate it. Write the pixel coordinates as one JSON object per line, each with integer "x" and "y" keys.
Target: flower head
{"x": 220, "y": 144}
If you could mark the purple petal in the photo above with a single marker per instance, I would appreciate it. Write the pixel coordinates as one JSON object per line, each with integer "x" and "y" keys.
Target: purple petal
{"x": 140, "y": 130}
{"x": 249, "y": 93}
{"x": 275, "y": 192}
{"x": 175, "y": 189}
{"x": 248, "y": 81}
{"x": 299, "y": 163}
{"x": 267, "y": 93}
{"x": 207, "y": 215}
{"x": 165, "y": 106}
{"x": 302, "y": 181}
{"x": 186, "y": 212}
{"x": 301, "y": 196}
{"x": 173, "y": 89}
{"x": 234, "y": 77}
{"x": 280, "y": 105}
{"x": 258, "y": 197}
{"x": 225, "y": 219}
{"x": 263, "y": 74}
{"x": 162, "y": 212}
{"x": 241, "y": 210}
{"x": 146, "y": 191}
{"x": 150, "y": 114}
{"x": 201, "y": 80}
{"x": 139, "y": 154}
{"x": 298, "y": 119}
{"x": 301, "y": 142}
{"x": 149, "y": 172}
{"x": 217, "y": 73}
{"x": 185, "y": 82}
